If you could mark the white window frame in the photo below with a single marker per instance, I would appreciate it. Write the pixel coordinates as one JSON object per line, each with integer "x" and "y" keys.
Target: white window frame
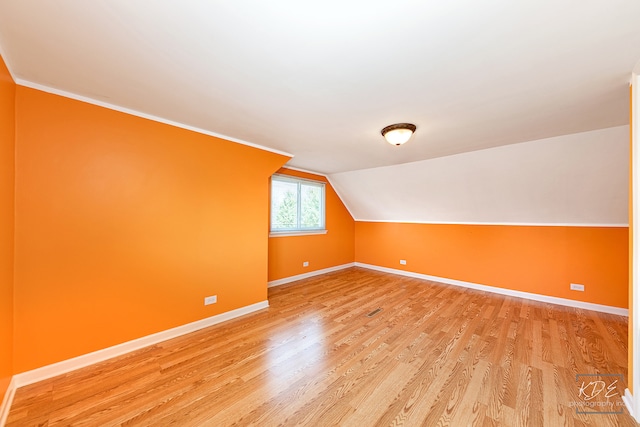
{"x": 298, "y": 231}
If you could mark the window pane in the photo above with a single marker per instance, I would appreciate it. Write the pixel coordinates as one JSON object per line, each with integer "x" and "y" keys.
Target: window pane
{"x": 284, "y": 201}
{"x": 311, "y": 212}
{"x": 297, "y": 205}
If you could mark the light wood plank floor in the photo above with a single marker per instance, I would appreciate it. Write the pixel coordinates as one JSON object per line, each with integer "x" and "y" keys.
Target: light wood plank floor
{"x": 435, "y": 355}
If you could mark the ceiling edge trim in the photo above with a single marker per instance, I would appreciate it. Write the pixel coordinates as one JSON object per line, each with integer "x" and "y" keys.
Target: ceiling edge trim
{"x": 3, "y": 54}
{"x": 514, "y": 224}
{"x": 88, "y": 100}
{"x": 304, "y": 170}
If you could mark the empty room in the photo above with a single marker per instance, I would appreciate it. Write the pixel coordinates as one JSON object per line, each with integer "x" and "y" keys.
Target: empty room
{"x": 319, "y": 213}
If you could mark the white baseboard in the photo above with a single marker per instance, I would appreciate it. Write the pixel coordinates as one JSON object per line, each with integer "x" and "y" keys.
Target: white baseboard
{"x": 59, "y": 368}
{"x": 509, "y": 292}
{"x": 7, "y": 401}
{"x": 628, "y": 401}
{"x": 307, "y": 275}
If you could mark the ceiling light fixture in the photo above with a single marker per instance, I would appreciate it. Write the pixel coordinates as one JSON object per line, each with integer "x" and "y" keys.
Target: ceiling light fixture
{"x": 399, "y": 133}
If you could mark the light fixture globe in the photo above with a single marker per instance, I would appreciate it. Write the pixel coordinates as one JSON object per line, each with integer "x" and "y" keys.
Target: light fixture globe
{"x": 399, "y": 133}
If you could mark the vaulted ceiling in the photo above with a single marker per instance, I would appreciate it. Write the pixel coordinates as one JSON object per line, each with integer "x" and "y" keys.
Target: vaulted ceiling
{"x": 319, "y": 80}
{"x": 522, "y": 107}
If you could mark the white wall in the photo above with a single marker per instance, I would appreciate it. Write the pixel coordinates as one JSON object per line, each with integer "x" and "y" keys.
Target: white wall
{"x": 573, "y": 179}
{"x": 633, "y": 401}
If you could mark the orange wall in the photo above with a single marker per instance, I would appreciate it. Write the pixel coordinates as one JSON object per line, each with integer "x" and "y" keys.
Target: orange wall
{"x": 286, "y": 254}
{"x": 124, "y": 225}
{"x": 7, "y": 144}
{"x": 541, "y": 260}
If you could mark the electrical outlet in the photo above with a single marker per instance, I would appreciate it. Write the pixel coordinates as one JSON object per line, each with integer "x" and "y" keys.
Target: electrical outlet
{"x": 403, "y": 261}
{"x": 305, "y": 264}
{"x": 577, "y": 287}
{"x": 211, "y": 300}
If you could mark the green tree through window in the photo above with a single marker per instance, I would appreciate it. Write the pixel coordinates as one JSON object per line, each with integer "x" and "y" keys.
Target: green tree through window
{"x": 287, "y": 211}
{"x": 296, "y": 204}
{"x": 310, "y": 207}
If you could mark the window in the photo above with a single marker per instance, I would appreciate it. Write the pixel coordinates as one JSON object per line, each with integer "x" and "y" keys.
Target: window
{"x": 297, "y": 205}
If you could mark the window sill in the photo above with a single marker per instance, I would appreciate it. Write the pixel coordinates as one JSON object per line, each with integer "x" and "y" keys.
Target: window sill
{"x": 296, "y": 233}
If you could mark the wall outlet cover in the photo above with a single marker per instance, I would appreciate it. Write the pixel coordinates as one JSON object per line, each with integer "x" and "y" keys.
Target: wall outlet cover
{"x": 577, "y": 287}
{"x": 403, "y": 261}
{"x": 211, "y": 300}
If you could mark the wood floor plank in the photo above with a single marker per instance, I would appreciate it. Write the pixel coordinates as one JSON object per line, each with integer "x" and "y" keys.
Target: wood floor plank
{"x": 470, "y": 410}
{"x": 433, "y": 355}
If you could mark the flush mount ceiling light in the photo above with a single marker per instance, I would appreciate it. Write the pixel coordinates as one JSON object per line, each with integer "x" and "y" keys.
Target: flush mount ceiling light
{"x": 399, "y": 133}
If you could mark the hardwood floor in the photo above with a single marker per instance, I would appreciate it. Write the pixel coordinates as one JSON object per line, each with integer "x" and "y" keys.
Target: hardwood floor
{"x": 435, "y": 355}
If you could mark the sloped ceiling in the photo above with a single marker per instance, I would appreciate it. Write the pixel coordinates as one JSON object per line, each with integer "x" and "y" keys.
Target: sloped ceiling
{"x": 520, "y": 105}
{"x": 319, "y": 80}
{"x": 578, "y": 179}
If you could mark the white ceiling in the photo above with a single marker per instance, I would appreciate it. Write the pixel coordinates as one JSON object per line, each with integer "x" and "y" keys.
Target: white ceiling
{"x": 319, "y": 80}
{"x": 578, "y": 179}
